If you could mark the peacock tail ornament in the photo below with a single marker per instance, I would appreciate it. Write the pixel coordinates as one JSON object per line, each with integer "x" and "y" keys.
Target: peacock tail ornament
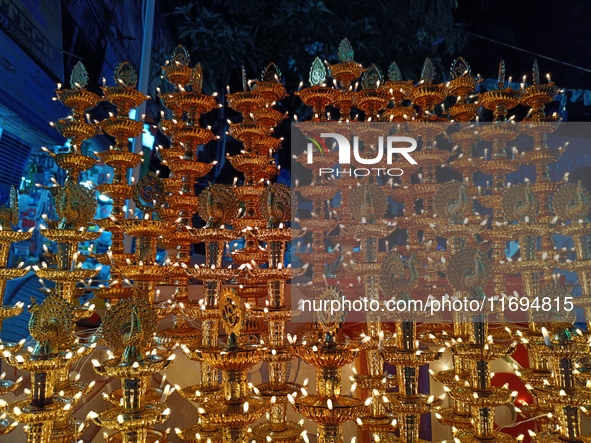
{"x": 51, "y": 325}
{"x": 75, "y": 205}
{"x": 520, "y": 203}
{"x": 128, "y": 328}
{"x": 275, "y": 204}
{"x": 368, "y": 203}
{"x": 468, "y": 270}
{"x": 397, "y": 277}
{"x": 571, "y": 202}
{"x": 452, "y": 201}
{"x": 217, "y": 204}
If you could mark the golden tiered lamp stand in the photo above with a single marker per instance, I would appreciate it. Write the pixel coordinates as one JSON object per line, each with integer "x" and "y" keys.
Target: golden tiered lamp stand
{"x": 238, "y": 407}
{"x": 127, "y": 330}
{"x": 121, "y": 127}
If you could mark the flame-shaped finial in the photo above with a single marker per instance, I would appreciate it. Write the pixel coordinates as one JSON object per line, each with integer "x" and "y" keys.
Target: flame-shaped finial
{"x": 394, "y": 73}
{"x": 197, "y": 78}
{"x": 317, "y": 73}
{"x": 459, "y": 68}
{"x": 501, "y": 76}
{"x": 125, "y": 75}
{"x": 428, "y": 72}
{"x": 180, "y": 56}
{"x": 271, "y": 74}
{"x": 372, "y": 78}
{"x": 535, "y": 73}
{"x": 79, "y": 76}
{"x": 345, "y": 52}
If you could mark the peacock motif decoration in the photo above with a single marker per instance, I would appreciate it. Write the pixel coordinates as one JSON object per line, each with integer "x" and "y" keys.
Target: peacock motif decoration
{"x": 128, "y": 327}
{"x": 452, "y": 201}
{"x": 520, "y": 203}
{"x": 50, "y": 325}
{"x": 398, "y": 277}
{"x": 275, "y": 204}
{"x": 75, "y": 205}
{"x": 217, "y": 203}
{"x": 468, "y": 270}
{"x": 368, "y": 203}
{"x": 571, "y": 202}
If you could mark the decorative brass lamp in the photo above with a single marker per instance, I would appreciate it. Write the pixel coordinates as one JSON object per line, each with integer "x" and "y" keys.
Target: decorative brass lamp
{"x": 238, "y": 407}
{"x": 127, "y": 330}
{"x": 122, "y": 128}
{"x": 275, "y": 205}
{"x": 8, "y": 218}
{"x": 45, "y": 413}
{"x": 329, "y": 409}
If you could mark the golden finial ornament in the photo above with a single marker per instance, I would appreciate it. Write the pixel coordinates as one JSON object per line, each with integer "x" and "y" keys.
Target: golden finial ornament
{"x": 460, "y": 68}
{"x": 125, "y": 75}
{"x": 468, "y": 269}
{"x": 368, "y": 203}
{"x": 452, "y": 201}
{"x": 275, "y": 204}
{"x": 397, "y": 277}
{"x": 394, "y": 74}
{"x": 317, "y": 75}
{"x": 79, "y": 76}
{"x": 520, "y": 203}
{"x": 372, "y": 78}
{"x": 180, "y": 56}
{"x": 345, "y": 51}
{"x": 427, "y": 72}
{"x": 131, "y": 322}
{"x": 197, "y": 79}
{"x": 217, "y": 203}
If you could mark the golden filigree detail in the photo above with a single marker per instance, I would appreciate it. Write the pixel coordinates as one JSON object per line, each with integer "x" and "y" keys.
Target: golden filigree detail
{"x": 75, "y": 205}
{"x": 51, "y": 324}
{"x": 275, "y": 204}
{"x": 396, "y": 276}
{"x": 468, "y": 269}
{"x": 180, "y": 56}
{"x": 79, "y": 76}
{"x": 329, "y": 320}
{"x": 125, "y": 75}
{"x": 519, "y": 201}
{"x": 571, "y": 201}
{"x": 217, "y": 204}
{"x": 197, "y": 78}
{"x": 131, "y": 322}
{"x": 232, "y": 312}
{"x": 452, "y": 201}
